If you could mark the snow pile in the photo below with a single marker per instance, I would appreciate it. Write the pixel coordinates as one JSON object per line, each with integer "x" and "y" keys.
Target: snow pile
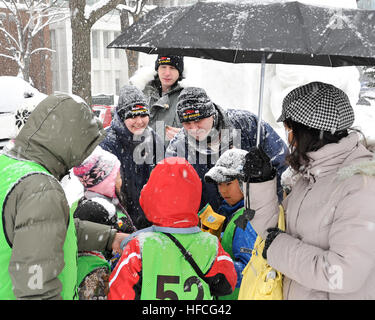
{"x": 73, "y": 187}
{"x": 18, "y": 99}
{"x": 109, "y": 207}
{"x": 16, "y": 92}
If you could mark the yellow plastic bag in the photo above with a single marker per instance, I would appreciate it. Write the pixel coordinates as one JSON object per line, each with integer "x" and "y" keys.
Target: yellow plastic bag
{"x": 260, "y": 281}
{"x": 211, "y": 221}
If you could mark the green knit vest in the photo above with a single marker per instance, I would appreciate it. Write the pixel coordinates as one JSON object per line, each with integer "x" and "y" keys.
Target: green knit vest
{"x": 12, "y": 171}
{"x": 165, "y": 272}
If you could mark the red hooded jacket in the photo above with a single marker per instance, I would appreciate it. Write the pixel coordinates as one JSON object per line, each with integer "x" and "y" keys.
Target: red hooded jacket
{"x": 171, "y": 198}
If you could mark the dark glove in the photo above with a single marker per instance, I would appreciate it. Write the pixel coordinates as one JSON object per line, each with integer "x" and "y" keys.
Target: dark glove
{"x": 124, "y": 224}
{"x": 243, "y": 219}
{"x": 258, "y": 166}
{"x": 272, "y": 234}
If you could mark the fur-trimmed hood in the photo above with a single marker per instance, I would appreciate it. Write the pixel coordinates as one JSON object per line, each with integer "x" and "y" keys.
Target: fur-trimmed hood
{"x": 146, "y": 74}
{"x": 365, "y": 168}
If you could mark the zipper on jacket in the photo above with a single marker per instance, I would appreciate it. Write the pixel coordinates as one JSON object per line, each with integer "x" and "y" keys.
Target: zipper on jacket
{"x": 299, "y": 208}
{"x": 290, "y": 284}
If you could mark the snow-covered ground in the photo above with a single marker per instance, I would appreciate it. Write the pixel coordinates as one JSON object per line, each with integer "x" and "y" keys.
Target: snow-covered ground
{"x": 16, "y": 95}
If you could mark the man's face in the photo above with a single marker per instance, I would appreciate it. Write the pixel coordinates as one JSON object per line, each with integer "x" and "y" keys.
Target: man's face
{"x": 168, "y": 75}
{"x": 199, "y": 129}
{"x": 137, "y": 124}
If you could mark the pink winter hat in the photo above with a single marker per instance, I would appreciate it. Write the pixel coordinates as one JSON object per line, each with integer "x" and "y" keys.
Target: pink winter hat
{"x": 98, "y": 172}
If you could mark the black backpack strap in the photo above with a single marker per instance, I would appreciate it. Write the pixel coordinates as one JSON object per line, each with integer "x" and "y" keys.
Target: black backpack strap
{"x": 218, "y": 285}
{"x": 187, "y": 255}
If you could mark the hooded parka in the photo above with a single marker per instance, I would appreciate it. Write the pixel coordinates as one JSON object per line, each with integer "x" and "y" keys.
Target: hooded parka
{"x": 163, "y": 106}
{"x": 328, "y": 249}
{"x": 59, "y": 134}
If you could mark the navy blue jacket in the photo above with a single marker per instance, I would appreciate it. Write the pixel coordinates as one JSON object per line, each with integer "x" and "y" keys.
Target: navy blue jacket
{"x": 238, "y": 128}
{"x": 242, "y": 239}
{"x": 138, "y": 156}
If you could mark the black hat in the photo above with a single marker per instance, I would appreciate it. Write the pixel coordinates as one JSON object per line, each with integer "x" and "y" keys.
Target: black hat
{"x": 175, "y": 61}
{"x": 320, "y": 106}
{"x": 131, "y": 103}
{"x": 194, "y": 104}
{"x": 91, "y": 210}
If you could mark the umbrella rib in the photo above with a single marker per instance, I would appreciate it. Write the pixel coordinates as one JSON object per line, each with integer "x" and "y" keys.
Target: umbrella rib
{"x": 235, "y": 56}
{"x": 329, "y": 29}
{"x": 178, "y": 21}
{"x": 239, "y": 31}
{"x": 146, "y": 32}
{"x": 330, "y": 61}
{"x": 302, "y": 20}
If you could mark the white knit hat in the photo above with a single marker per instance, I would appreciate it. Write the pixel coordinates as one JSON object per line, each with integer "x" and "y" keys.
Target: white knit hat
{"x": 228, "y": 167}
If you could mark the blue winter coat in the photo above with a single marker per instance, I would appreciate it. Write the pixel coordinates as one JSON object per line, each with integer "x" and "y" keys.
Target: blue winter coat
{"x": 138, "y": 156}
{"x": 240, "y": 127}
{"x": 243, "y": 240}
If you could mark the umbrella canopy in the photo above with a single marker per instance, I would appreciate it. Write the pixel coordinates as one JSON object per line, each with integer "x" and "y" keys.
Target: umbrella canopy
{"x": 285, "y": 33}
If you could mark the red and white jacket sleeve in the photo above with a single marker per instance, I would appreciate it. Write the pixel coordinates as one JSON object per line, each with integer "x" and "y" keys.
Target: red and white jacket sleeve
{"x": 125, "y": 280}
{"x": 222, "y": 276}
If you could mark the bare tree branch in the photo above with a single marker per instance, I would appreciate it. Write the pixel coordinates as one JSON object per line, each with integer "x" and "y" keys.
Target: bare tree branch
{"x": 95, "y": 15}
{"x": 29, "y": 18}
{"x": 9, "y": 36}
{"x": 6, "y": 56}
{"x": 42, "y": 49}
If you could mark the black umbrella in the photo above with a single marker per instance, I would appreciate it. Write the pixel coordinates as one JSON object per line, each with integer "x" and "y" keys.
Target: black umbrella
{"x": 283, "y": 33}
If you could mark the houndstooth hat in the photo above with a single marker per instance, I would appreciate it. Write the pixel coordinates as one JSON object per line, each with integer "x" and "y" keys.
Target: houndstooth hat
{"x": 318, "y": 105}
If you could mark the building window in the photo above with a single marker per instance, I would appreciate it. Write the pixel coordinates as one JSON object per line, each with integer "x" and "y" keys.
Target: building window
{"x": 95, "y": 44}
{"x": 117, "y": 51}
{"x": 105, "y": 44}
{"x": 108, "y": 82}
{"x": 117, "y": 83}
{"x": 96, "y": 83}
{"x": 366, "y": 4}
{"x": 55, "y": 62}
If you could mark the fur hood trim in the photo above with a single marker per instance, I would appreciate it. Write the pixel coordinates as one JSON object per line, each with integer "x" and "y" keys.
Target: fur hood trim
{"x": 146, "y": 74}
{"x": 365, "y": 168}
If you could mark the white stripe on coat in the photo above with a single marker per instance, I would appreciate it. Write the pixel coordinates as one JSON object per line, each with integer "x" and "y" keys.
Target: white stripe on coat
{"x": 123, "y": 263}
{"x": 219, "y": 258}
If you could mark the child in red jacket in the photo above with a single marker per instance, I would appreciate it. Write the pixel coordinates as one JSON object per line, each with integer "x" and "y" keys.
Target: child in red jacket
{"x": 173, "y": 259}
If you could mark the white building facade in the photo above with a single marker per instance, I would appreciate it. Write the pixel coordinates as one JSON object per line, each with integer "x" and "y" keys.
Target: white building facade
{"x": 109, "y": 69}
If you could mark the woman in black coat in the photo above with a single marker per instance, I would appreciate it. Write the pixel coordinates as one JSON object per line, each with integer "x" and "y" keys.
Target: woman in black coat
{"x": 136, "y": 146}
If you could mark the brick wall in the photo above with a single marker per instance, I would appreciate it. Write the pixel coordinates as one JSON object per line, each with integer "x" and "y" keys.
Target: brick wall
{"x": 40, "y": 69}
